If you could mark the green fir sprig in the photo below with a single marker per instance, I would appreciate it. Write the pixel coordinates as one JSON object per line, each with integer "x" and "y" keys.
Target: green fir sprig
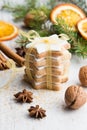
{"x": 19, "y": 10}
{"x": 22, "y": 40}
{"x": 78, "y": 44}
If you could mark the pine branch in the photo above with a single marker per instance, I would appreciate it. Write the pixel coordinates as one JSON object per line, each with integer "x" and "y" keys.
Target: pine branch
{"x": 26, "y": 37}
{"x": 19, "y": 10}
{"x": 22, "y": 40}
{"x": 78, "y": 44}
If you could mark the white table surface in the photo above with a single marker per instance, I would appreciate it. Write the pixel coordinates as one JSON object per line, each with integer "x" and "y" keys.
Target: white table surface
{"x": 14, "y": 116}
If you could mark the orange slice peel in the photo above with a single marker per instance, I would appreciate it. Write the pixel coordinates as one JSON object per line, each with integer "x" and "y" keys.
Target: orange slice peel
{"x": 82, "y": 28}
{"x": 70, "y": 13}
{"x": 7, "y": 31}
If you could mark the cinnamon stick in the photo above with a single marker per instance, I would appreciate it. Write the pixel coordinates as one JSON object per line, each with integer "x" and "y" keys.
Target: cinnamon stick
{"x": 11, "y": 54}
{"x": 2, "y": 58}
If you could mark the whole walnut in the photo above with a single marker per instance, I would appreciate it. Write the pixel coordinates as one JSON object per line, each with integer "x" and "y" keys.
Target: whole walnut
{"x": 28, "y": 19}
{"x": 33, "y": 17}
{"x": 83, "y": 75}
{"x": 75, "y": 97}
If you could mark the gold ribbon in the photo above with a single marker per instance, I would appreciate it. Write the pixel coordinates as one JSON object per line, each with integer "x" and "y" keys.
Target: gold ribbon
{"x": 49, "y": 67}
{"x": 30, "y": 75}
{"x": 48, "y": 64}
{"x": 31, "y": 35}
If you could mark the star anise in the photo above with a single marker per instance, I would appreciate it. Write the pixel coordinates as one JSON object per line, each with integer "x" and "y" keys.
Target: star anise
{"x": 36, "y": 112}
{"x": 21, "y": 51}
{"x": 24, "y": 96}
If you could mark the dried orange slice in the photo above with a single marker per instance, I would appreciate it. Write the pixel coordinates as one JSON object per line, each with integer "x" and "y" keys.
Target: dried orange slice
{"x": 7, "y": 31}
{"x": 82, "y": 28}
{"x": 70, "y": 13}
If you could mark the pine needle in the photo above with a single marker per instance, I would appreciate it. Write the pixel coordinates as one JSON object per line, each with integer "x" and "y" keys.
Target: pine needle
{"x": 19, "y": 10}
{"x": 78, "y": 44}
{"x": 22, "y": 40}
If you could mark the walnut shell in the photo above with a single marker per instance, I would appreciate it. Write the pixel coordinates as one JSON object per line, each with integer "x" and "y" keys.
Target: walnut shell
{"x": 83, "y": 76}
{"x": 75, "y": 97}
{"x": 31, "y": 18}
{"x": 28, "y": 19}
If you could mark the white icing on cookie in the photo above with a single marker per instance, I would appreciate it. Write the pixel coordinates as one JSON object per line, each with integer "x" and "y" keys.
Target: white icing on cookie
{"x": 42, "y": 44}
